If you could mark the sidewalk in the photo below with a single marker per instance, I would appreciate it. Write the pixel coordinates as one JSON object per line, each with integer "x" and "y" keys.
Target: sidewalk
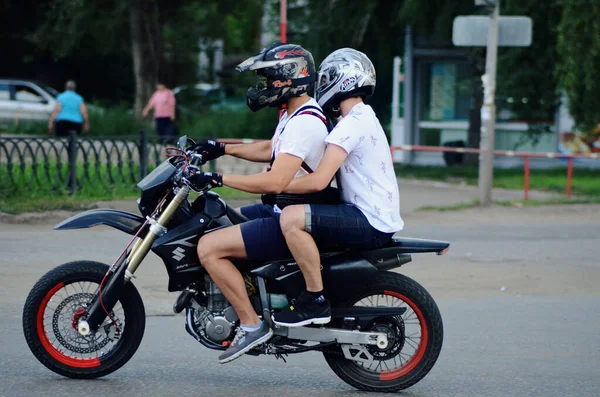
{"x": 419, "y": 193}
{"x": 414, "y": 194}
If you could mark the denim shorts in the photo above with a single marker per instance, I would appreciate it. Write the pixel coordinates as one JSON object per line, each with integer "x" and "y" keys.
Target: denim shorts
{"x": 262, "y": 235}
{"x": 342, "y": 225}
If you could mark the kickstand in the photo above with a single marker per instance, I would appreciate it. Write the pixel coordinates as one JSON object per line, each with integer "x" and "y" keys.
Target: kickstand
{"x": 280, "y": 356}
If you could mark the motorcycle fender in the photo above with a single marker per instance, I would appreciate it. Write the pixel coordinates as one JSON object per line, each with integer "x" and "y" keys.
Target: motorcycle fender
{"x": 343, "y": 276}
{"x": 120, "y": 220}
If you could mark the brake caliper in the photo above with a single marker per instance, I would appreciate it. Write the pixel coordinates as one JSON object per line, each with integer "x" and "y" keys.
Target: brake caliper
{"x": 80, "y": 313}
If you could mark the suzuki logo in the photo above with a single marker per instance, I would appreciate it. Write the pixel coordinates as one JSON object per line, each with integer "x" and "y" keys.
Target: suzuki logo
{"x": 178, "y": 253}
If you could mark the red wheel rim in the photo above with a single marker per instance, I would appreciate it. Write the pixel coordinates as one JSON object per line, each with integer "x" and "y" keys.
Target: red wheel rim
{"x": 418, "y": 356}
{"x": 53, "y": 351}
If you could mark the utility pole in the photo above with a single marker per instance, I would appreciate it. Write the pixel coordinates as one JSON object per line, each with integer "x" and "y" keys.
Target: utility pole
{"x": 470, "y": 31}
{"x": 488, "y": 111}
{"x": 283, "y": 21}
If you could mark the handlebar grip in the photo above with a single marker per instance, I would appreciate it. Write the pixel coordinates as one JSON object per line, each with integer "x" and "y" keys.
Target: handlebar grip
{"x": 196, "y": 159}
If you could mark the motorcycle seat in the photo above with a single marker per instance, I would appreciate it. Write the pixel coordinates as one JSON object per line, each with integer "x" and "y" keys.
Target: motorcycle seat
{"x": 398, "y": 245}
{"x": 398, "y": 251}
{"x": 393, "y": 254}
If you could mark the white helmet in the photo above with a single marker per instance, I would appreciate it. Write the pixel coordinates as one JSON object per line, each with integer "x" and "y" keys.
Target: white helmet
{"x": 343, "y": 74}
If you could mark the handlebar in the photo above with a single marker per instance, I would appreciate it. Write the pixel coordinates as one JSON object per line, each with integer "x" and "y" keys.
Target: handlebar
{"x": 193, "y": 163}
{"x": 196, "y": 158}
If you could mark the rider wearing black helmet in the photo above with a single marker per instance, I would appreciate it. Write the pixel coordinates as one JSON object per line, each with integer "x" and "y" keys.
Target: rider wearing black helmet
{"x": 285, "y": 72}
{"x": 359, "y": 149}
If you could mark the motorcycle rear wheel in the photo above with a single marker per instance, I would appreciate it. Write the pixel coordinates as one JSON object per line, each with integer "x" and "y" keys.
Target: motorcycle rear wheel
{"x": 415, "y": 339}
{"x": 50, "y": 318}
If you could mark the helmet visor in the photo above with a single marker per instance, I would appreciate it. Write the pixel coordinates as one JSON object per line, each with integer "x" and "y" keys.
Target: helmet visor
{"x": 323, "y": 81}
{"x": 262, "y": 82}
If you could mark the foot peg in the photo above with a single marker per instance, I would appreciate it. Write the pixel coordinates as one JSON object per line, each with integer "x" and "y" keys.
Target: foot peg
{"x": 183, "y": 300}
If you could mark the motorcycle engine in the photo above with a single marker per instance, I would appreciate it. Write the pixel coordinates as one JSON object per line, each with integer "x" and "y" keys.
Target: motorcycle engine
{"x": 219, "y": 319}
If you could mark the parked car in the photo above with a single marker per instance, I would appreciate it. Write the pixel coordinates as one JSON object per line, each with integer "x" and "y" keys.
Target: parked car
{"x": 25, "y": 100}
{"x": 28, "y": 100}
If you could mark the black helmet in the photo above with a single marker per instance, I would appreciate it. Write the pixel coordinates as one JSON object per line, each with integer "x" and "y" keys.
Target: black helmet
{"x": 284, "y": 71}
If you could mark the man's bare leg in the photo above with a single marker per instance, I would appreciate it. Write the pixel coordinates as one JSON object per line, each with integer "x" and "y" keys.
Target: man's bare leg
{"x": 302, "y": 246}
{"x": 311, "y": 307}
{"x": 213, "y": 250}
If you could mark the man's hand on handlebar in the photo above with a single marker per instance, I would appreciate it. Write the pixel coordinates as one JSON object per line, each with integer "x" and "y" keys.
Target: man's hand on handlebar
{"x": 210, "y": 150}
{"x": 200, "y": 180}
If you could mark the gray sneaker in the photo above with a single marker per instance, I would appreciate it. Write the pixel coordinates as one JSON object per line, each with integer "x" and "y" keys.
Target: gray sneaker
{"x": 245, "y": 341}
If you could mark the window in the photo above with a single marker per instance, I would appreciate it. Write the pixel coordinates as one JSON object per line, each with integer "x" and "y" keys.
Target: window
{"x": 48, "y": 89}
{"x": 446, "y": 91}
{"x": 25, "y": 93}
{"x": 4, "y": 92}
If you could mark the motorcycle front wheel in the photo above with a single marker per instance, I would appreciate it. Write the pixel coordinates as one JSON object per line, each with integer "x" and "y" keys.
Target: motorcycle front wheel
{"x": 414, "y": 338}
{"x": 51, "y": 314}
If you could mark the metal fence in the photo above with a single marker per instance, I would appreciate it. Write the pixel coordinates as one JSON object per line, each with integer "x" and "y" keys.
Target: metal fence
{"x": 76, "y": 162}
{"x": 509, "y": 153}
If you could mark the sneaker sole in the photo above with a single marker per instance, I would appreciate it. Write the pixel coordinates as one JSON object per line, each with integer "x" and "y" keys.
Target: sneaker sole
{"x": 322, "y": 320}
{"x": 247, "y": 348}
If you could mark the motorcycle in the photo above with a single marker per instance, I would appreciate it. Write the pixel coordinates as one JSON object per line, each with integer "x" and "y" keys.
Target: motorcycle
{"x": 86, "y": 319}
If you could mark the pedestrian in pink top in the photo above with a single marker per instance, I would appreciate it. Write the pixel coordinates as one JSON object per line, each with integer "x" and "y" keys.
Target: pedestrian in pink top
{"x": 163, "y": 103}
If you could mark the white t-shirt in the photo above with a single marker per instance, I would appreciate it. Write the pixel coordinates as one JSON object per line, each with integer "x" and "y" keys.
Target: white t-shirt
{"x": 301, "y": 135}
{"x": 366, "y": 177}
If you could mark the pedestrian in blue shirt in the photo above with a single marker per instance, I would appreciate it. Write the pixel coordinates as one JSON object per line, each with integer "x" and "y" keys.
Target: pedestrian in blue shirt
{"x": 70, "y": 113}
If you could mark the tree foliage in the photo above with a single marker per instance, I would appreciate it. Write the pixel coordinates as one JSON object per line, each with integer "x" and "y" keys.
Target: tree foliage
{"x": 371, "y": 26}
{"x": 377, "y": 28}
{"x": 81, "y": 26}
{"x": 526, "y": 83}
{"x": 91, "y": 41}
{"x": 579, "y": 60}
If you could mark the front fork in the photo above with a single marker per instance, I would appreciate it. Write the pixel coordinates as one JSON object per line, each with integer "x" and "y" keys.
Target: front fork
{"x": 122, "y": 271}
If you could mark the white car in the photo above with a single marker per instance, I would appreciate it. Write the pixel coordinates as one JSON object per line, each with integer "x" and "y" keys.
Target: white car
{"x": 25, "y": 100}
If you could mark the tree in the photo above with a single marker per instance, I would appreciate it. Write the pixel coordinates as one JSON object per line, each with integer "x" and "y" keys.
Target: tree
{"x": 113, "y": 48}
{"x": 578, "y": 63}
{"x": 55, "y": 40}
{"x": 145, "y": 49}
{"x": 527, "y": 85}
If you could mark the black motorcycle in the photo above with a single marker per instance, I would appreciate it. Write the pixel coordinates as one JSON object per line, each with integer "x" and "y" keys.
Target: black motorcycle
{"x": 85, "y": 319}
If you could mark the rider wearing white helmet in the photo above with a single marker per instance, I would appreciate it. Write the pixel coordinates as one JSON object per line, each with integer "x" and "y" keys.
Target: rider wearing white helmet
{"x": 358, "y": 151}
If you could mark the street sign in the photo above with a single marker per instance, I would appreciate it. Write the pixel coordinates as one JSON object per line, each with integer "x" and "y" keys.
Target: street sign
{"x": 472, "y": 31}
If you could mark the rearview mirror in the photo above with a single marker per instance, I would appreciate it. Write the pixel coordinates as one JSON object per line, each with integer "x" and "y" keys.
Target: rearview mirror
{"x": 182, "y": 142}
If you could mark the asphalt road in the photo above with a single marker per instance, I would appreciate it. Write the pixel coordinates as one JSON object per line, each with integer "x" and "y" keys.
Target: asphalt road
{"x": 519, "y": 292}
